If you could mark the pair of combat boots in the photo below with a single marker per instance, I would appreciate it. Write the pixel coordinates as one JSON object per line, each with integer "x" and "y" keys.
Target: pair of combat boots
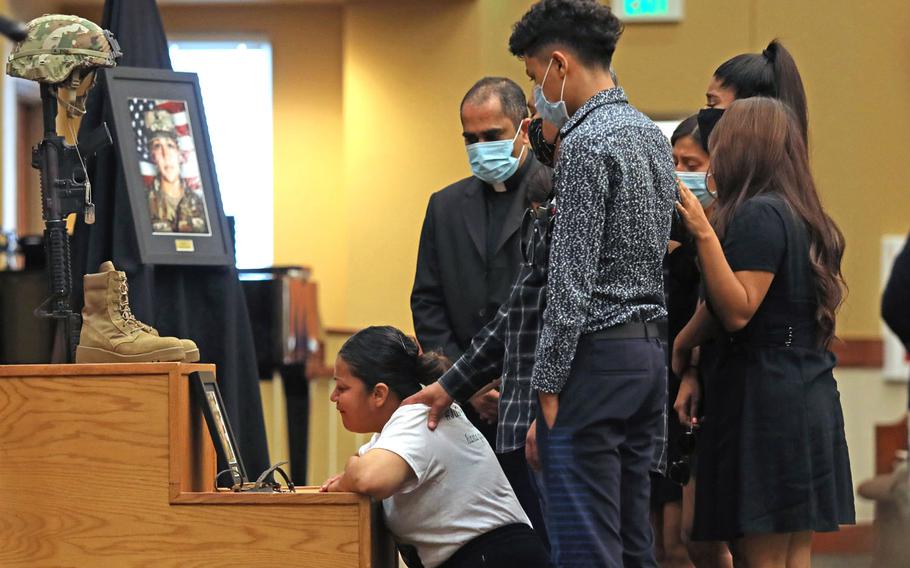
{"x": 110, "y": 332}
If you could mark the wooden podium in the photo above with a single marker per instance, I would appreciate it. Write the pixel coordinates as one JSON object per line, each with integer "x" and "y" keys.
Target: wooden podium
{"x": 111, "y": 465}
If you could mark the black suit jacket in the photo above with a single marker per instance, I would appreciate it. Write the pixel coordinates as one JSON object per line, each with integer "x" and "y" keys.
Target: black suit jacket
{"x": 457, "y": 289}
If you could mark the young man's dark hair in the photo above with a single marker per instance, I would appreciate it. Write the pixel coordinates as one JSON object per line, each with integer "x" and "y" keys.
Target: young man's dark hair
{"x": 511, "y": 97}
{"x": 588, "y": 27}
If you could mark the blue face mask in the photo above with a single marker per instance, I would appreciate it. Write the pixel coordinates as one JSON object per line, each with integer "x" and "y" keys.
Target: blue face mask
{"x": 554, "y": 113}
{"x": 697, "y": 182}
{"x": 493, "y": 162}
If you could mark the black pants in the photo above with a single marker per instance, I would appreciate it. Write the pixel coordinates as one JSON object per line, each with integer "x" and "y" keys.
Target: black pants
{"x": 511, "y": 546}
{"x": 596, "y": 457}
{"x": 515, "y": 466}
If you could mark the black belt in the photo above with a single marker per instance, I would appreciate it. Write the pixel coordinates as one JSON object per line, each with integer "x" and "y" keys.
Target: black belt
{"x": 632, "y": 330}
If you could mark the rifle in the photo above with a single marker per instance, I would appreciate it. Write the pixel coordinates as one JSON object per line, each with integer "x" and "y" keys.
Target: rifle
{"x": 65, "y": 189}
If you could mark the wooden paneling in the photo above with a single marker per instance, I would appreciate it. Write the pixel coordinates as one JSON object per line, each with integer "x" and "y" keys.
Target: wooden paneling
{"x": 858, "y": 352}
{"x": 853, "y": 540}
{"x": 889, "y": 440}
{"x": 92, "y": 456}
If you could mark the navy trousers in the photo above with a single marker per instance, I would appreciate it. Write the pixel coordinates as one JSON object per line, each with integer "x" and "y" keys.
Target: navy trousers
{"x": 597, "y": 455}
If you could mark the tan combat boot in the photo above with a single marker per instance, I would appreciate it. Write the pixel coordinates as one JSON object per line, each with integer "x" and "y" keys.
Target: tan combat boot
{"x": 190, "y": 351}
{"x": 110, "y": 333}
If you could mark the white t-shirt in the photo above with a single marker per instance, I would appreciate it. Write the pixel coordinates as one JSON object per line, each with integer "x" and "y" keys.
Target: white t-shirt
{"x": 460, "y": 492}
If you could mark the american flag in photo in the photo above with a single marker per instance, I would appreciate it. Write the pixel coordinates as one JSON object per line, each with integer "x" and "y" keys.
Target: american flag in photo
{"x": 189, "y": 170}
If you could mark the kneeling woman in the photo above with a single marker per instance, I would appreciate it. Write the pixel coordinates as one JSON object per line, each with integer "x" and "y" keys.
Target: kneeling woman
{"x": 444, "y": 495}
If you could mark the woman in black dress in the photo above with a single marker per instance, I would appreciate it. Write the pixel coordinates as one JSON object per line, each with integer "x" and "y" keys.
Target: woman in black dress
{"x": 773, "y": 464}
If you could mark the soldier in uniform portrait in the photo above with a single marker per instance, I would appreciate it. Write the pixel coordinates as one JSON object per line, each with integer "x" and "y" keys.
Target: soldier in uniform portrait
{"x": 174, "y": 207}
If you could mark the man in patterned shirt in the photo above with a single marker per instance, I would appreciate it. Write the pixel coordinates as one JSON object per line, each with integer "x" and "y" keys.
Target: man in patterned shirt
{"x": 600, "y": 367}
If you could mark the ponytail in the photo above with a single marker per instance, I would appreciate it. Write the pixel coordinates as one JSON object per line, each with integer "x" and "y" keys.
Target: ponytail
{"x": 383, "y": 354}
{"x": 771, "y": 73}
{"x": 788, "y": 83}
{"x": 431, "y": 366}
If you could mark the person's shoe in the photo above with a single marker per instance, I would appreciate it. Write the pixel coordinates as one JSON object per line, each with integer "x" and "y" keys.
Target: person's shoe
{"x": 190, "y": 350}
{"x": 110, "y": 333}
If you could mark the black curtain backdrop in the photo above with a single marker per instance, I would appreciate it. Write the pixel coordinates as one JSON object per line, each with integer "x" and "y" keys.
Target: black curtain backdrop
{"x": 205, "y": 304}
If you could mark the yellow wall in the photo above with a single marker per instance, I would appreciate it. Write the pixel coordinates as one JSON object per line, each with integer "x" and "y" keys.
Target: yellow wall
{"x": 407, "y": 65}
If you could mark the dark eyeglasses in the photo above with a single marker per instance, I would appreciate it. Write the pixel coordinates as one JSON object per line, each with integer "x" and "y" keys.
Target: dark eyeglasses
{"x": 681, "y": 471}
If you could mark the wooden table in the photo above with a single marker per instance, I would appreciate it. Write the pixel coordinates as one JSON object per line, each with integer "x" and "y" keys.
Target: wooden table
{"x": 111, "y": 465}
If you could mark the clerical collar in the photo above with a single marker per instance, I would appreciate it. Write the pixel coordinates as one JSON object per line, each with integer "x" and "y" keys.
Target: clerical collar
{"x": 513, "y": 182}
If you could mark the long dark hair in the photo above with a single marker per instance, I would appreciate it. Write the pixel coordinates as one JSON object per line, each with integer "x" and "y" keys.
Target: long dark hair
{"x": 771, "y": 73}
{"x": 383, "y": 354}
{"x": 757, "y": 148}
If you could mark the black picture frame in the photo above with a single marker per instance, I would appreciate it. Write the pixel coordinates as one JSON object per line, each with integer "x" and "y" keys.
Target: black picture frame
{"x": 132, "y": 92}
{"x": 208, "y": 397}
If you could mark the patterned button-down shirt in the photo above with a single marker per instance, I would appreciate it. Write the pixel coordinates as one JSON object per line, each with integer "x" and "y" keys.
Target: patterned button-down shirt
{"x": 616, "y": 189}
{"x": 505, "y": 347}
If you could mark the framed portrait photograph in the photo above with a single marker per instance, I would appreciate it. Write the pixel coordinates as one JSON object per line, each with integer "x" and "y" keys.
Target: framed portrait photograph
{"x": 208, "y": 397}
{"x": 163, "y": 143}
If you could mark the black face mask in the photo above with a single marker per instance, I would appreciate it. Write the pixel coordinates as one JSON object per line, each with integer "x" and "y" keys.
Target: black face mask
{"x": 707, "y": 120}
{"x": 543, "y": 150}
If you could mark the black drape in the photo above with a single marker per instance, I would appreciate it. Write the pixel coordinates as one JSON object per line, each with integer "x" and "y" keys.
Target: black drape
{"x": 201, "y": 303}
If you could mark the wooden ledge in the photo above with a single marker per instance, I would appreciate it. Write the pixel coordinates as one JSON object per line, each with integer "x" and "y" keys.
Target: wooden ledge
{"x": 303, "y": 496}
{"x": 341, "y": 330}
{"x": 859, "y": 352}
{"x": 848, "y": 541}
{"x": 101, "y": 369}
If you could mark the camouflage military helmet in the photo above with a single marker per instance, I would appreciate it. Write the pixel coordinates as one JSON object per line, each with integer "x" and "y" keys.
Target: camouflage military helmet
{"x": 159, "y": 123}
{"x": 57, "y": 45}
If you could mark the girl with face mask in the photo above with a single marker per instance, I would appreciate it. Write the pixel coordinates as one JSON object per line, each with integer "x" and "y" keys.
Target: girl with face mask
{"x": 773, "y": 465}
{"x": 672, "y": 497}
{"x": 444, "y": 495}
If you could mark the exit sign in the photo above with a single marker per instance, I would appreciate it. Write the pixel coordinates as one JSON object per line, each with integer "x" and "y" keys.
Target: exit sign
{"x": 646, "y": 11}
